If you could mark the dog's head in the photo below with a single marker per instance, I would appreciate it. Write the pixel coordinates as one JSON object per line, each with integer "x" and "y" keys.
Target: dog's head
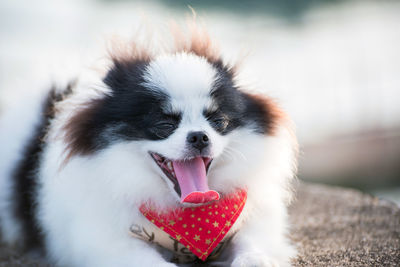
{"x": 185, "y": 111}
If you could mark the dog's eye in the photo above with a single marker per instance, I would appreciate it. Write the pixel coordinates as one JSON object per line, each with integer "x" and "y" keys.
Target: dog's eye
{"x": 165, "y": 126}
{"x": 163, "y": 129}
{"x": 217, "y": 120}
{"x": 220, "y": 123}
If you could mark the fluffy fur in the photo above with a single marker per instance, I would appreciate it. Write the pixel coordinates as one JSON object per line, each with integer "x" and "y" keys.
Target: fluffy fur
{"x": 74, "y": 171}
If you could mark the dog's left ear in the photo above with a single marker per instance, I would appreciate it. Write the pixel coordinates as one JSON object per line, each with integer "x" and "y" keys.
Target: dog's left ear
{"x": 264, "y": 113}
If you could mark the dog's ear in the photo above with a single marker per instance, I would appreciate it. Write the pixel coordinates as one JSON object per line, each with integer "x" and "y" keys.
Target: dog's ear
{"x": 125, "y": 73}
{"x": 264, "y": 113}
{"x": 128, "y": 62}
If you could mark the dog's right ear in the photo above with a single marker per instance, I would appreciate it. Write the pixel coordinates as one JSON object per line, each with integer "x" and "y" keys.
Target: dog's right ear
{"x": 123, "y": 73}
{"x": 128, "y": 62}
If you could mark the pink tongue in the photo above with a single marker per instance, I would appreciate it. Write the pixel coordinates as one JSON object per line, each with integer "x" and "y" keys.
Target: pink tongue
{"x": 192, "y": 179}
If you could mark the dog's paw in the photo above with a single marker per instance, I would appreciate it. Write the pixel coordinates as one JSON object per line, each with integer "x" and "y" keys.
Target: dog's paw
{"x": 253, "y": 259}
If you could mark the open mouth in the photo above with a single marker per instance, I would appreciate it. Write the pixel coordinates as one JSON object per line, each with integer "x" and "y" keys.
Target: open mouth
{"x": 189, "y": 177}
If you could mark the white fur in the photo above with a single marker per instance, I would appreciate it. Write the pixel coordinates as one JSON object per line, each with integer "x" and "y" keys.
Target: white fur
{"x": 187, "y": 79}
{"x": 88, "y": 205}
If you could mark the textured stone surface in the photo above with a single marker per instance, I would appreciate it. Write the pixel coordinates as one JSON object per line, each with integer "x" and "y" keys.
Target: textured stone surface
{"x": 331, "y": 227}
{"x": 342, "y": 227}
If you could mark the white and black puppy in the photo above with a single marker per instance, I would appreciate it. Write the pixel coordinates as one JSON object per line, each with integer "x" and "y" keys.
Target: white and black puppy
{"x": 155, "y": 127}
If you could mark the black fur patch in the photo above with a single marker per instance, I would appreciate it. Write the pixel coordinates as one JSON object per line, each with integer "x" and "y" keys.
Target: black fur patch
{"x": 25, "y": 179}
{"x": 131, "y": 112}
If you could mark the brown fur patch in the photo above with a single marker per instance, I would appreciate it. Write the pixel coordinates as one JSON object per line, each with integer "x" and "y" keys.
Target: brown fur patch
{"x": 196, "y": 41}
{"x": 125, "y": 52}
{"x": 192, "y": 39}
{"x": 273, "y": 114}
{"x": 78, "y": 130}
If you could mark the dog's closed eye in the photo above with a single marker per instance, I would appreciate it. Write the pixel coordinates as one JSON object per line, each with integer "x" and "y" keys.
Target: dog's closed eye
{"x": 218, "y": 121}
{"x": 163, "y": 129}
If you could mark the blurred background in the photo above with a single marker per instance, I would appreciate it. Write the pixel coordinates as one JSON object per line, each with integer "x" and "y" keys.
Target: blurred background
{"x": 334, "y": 65}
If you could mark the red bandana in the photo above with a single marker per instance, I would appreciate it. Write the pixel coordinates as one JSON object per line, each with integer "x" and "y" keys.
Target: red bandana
{"x": 200, "y": 228}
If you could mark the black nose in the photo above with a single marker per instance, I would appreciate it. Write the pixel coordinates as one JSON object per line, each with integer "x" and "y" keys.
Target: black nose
{"x": 198, "y": 140}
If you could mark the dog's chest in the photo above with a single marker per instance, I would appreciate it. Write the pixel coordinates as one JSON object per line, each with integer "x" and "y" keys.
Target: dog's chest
{"x": 192, "y": 233}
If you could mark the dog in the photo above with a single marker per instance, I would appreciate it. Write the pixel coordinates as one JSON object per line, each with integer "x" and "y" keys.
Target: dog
{"x": 89, "y": 174}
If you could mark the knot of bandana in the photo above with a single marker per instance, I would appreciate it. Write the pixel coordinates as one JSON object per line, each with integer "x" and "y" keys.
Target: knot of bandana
{"x": 199, "y": 228}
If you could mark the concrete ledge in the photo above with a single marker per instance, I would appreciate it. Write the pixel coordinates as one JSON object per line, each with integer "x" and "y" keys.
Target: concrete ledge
{"x": 342, "y": 227}
{"x": 331, "y": 227}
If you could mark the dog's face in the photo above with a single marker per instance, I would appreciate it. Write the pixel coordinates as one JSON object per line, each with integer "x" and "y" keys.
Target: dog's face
{"x": 181, "y": 108}
{"x": 190, "y": 127}
{"x": 188, "y": 122}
